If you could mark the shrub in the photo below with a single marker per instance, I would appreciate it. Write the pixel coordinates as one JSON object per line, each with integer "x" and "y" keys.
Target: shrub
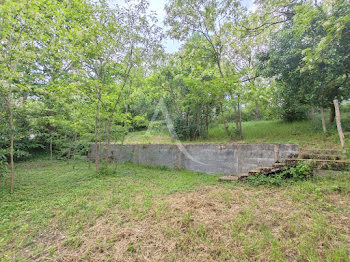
{"x": 111, "y": 170}
{"x": 185, "y": 130}
{"x": 301, "y": 172}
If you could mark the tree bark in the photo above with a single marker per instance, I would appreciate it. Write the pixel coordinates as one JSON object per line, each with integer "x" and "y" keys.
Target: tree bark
{"x": 224, "y": 121}
{"x": 9, "y": 106}
{"x": 97, "y": 144}
{"x": 108, "y": 142}
{"x": 324, "y": 127}
{"x": 331, "y": 113}
{"x": 125, "y": 122}
{"x": 338, "y": 119}
{"x": 257, "y": 112}
{"x": 236, "y": 117}
{"x": 240, "y": 119}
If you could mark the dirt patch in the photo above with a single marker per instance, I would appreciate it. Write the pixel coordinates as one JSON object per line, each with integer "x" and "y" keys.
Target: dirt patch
{"x": 213, "y": 224}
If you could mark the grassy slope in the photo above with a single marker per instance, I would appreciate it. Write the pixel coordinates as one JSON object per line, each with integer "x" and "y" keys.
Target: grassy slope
{"x": 304, "y": 133}
{"x": 149, "y": 214}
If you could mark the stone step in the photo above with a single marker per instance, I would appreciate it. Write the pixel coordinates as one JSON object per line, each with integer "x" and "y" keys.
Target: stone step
{"x": 233, "y": 177}
{"x": 279, "y": 165}
{"x": 321, "y": 164}
{"x": 320, "y": 156}
{"x": 228, "y": 178}
{"x": 267, "y": 170}
{"x": 322, "y": 152}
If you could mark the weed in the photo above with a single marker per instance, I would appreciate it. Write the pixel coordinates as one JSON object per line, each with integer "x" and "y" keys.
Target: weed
{"x": 299, "y": 173}
{"x": 131, "y": 248}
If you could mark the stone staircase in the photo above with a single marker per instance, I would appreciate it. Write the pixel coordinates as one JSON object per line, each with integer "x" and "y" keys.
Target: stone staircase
{"x": 323, "y": 159}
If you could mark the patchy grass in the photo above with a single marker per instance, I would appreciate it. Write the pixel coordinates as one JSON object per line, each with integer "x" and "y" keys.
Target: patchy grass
{"x": 147, "y": 214}
{"x": 304, "y": 133}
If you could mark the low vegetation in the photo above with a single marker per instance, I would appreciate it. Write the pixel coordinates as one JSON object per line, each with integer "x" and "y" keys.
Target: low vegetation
{"x": 299, "y": 173}
{"x": 304, "y": 133}
{"x": 132, "y": 213}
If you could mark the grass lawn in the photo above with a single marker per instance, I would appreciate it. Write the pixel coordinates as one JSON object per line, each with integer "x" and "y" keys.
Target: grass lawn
{"x": 151, "y": 214}
{"x": 307, "y": 134}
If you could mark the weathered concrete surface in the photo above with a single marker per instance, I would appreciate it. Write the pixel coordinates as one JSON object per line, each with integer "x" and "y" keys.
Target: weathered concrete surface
{"x": 207, "y": 158}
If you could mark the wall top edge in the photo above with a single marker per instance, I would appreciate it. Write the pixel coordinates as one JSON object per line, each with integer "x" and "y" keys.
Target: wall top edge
{"x": 202, "y": 144}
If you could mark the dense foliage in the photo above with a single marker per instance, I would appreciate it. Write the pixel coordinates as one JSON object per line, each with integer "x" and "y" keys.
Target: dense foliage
{"x": 309, "y": 57}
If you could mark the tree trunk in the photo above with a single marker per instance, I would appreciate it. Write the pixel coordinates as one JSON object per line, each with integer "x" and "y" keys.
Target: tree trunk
{"x": 240, "y": 119}
{"x": 257, "y": 112}
{"x": 69, "y": 153}
{"x": 236, "y": 118}
{"x": 108, "y": 142}
{"x": 340, "y": 131}
{"x": 331, "y": 113}
{"x": 75, "y": 149}
{"x": 224, "y": 121}
{"x": 51, "y": 148}
{"x": 97, "y": 144}
{"x": 207, "y": 121}
{"x": 9, "y": 106}
{"x": 323, "y": 121}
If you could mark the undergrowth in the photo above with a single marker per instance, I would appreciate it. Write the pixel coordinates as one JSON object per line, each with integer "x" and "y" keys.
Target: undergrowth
{"x": 299, "y": 173}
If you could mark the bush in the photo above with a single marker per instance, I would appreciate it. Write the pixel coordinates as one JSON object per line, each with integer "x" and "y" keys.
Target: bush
{"x": 294, "y": 111}
{"x": 111, "y": 170}
{"x": 185, "y": 130}
{"x": 301, "y": 172}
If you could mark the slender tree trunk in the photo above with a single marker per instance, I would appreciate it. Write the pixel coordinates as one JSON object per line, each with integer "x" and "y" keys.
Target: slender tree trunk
{"x": 125, "y": 122}
{"x": 324, "y": 127}
{"x": 97, "y": 144}
{"x": 218, "y": 61}
{"x": 224, "y": 121}
{"x": 240, "y": 119}
{"x": 207, "y": 121}
{"x": 331, "y": 113}
{"x": 187, "y": 121}
{"x": 12, "y": 167}
{"x": 236, "y": 118}
{"x": 69, "y": 153}
{"x": 256, "y": 112}
{"x": 108, "y": 142}
{"x": 51, "y": 148}
{"x": 75, "y": 149}
{"x": 340, "y": 131}
{"x": 199, "y": 120}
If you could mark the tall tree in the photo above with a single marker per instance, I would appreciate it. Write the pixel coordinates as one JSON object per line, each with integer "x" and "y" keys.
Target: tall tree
{"x": 309, "y": 59}
{"x": 16, "y": 19}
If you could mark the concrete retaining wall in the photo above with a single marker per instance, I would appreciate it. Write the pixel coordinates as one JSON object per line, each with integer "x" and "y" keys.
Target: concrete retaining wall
{"x": 207, "y": 158}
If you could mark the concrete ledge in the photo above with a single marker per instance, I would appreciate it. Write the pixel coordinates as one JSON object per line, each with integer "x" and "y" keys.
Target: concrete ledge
{"x": 207, "y": 158}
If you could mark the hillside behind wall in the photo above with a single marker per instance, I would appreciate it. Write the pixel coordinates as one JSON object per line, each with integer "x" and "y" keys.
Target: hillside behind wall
{"x": 207, "y": 158}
